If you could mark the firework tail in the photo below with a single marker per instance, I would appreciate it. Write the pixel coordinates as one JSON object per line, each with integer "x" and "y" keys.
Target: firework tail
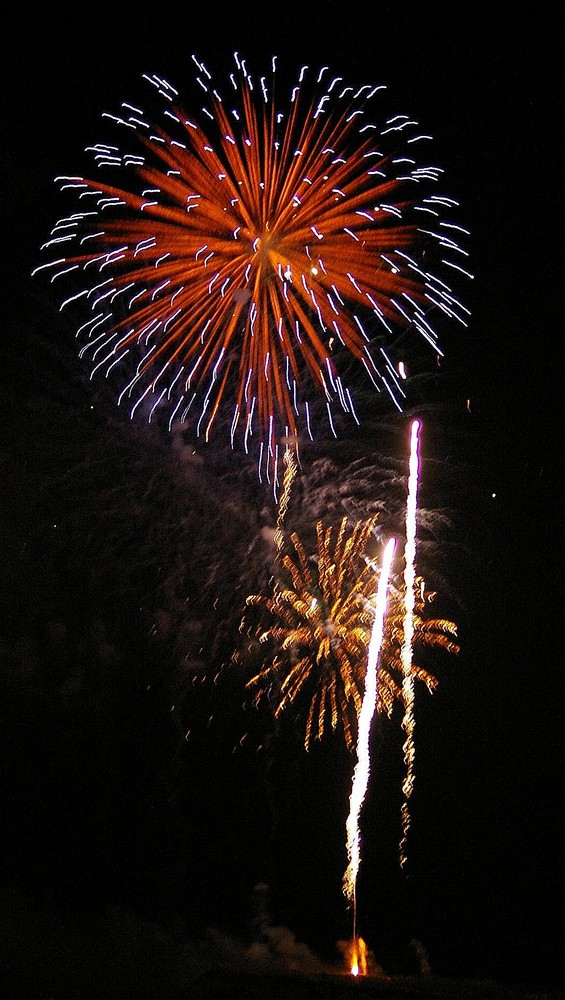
{"x": 407, "y": 673}
{"x": 368, "y": 707}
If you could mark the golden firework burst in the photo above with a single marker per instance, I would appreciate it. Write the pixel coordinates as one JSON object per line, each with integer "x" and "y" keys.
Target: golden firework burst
{"x": 313, "y": 631}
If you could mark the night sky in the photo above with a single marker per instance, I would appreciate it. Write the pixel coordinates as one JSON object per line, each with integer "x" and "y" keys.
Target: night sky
{"x": 144, "y": 800}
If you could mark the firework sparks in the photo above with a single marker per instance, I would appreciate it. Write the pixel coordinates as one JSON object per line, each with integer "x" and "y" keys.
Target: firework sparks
{"x": 234, "y": 260}
{"x": 321, "y": 613}
{"x": 327, "y": 645}
{"x": 410, "y": 602}
{"x": 368, "y": 707}
{"x": 289, "y": 476}
{"x": 313, "y": 630}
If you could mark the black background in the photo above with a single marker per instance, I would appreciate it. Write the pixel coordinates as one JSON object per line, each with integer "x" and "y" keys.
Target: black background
{"x": 106, "y": 804}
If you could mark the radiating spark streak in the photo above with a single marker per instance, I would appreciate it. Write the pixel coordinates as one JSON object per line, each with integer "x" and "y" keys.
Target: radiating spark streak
{"x": 368, "y": 708}
{"x": 407, "y": 645}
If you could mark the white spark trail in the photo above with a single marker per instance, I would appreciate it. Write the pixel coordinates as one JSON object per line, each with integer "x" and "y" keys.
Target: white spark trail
{"x": 409, "y": 604}
{"x": 368, "y": 707}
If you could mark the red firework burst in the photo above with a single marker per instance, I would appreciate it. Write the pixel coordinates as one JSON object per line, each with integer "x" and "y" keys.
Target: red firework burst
{"x": 242, "y": 259}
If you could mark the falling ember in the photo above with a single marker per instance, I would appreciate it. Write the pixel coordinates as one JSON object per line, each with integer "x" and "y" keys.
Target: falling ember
{"x": 368, "y": 707}
{"x": 409, "y": 605}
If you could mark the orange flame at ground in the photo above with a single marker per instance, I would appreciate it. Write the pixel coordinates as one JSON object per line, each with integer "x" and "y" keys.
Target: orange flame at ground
{"x": 357, "y": 957}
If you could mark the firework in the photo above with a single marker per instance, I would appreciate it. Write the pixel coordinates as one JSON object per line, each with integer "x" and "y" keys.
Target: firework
{"x": 314, "y": 629}
{"x": 363, "y": 764}
{"x": 229, "y": 263}
{"x": 409, "y": 603}
{"x": 357, "y": 955}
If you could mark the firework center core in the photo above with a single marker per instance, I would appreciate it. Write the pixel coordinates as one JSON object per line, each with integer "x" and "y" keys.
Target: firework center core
{"x": 265, "y": 244}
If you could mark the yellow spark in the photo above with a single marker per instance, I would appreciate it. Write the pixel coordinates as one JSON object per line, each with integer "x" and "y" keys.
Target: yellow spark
{"x": 313, "y": 630}
{"x": 288, "y": 479}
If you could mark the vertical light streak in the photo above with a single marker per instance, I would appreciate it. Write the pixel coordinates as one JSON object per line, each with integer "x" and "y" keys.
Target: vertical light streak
{"x": 368, "y": 707}
{"x": 409, "y": 604}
